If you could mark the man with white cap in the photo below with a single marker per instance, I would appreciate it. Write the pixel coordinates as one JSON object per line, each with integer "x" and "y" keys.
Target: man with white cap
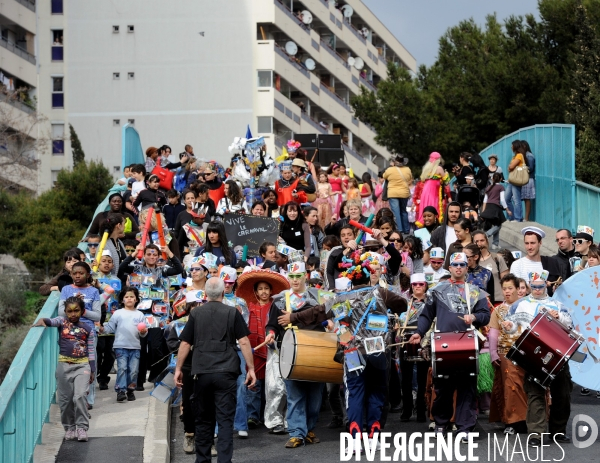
{"x": 435, "y": 269}
{"x": 448, "y": 303}
{"x": 519, "y": 316}
{"x": 582, "y": 242}
{"x": 534, "y": 262}
{"x": 303, "y": 397}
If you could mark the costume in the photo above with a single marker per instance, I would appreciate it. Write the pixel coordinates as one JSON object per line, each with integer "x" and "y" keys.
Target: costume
{"x": 447, "y": 301}
{"x": 434, "y": 191}
{"x": 368, "y": 206}
{"x": 336, "y": 185}
{"x": 380, "y": 203}
{"x": 324, "y": 203}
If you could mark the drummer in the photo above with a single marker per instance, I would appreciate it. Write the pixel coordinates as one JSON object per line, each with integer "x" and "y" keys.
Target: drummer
{"x": 303, "y": 397}
{"x": 418, "y": 284}
{"x": 448, "y": 303}
{"x": 522, "y": 313}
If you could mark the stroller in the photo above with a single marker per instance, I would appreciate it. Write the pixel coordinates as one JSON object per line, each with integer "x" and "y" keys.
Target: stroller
{"x": 468, "y": 196}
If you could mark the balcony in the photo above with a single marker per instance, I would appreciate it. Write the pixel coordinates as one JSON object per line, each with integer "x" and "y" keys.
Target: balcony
{"x": 335, "y": 54}
{"x": 313, "y": 123}
{"x": 300, "y": 67}
{"x": 358, "y": 35}
{"x": 17, "y": 104}
{"x": 17, "y": 50}
{"x": 287, "y": 11}
{"x": 354, "y": 154}
{"x": 368, "y": 84}
{"x": 57, "y": 53}
{"x": 28, "y": 4}
{"x": 335, "y": 96}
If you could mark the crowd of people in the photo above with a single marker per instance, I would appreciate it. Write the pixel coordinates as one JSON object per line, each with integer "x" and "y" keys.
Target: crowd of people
{"x": 376, "y": 263}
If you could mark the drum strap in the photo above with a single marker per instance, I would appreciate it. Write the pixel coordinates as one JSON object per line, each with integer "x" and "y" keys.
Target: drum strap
{"x": 362, "y": 319}
{"x": 467, "y": 292}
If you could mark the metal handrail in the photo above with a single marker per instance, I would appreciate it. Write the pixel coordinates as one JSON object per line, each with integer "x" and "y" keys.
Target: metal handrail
{"x": 353, "y": 153}
{"x": 368, "y": 84}
{"x": 335, "y": 54}
{"x": 312, "y": 122}
{"x": 291, "y": 14}
{"x": 18, "y": 104}
{"x": 338, "y": 98}
{"x": 297, "y": 65}
{"x": 17, "y": 50}
{"x": 355, "y": 32}
{"x": 28, "y": 4}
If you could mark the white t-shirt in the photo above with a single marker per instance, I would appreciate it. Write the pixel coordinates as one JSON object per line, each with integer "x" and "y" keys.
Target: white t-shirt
{"x": 523, "y": 266}
{"x": 450, "y": 237}
{"x": 136, "y": 187}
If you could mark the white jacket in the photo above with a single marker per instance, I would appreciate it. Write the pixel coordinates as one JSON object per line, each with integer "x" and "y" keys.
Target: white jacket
{"x": 522, "y": 312}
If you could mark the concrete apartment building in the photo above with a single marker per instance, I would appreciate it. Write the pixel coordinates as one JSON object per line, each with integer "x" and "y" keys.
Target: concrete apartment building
{"x": 198, "y": 72}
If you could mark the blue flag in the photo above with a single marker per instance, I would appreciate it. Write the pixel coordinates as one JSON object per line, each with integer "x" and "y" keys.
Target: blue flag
{"x": 248, "y": 133}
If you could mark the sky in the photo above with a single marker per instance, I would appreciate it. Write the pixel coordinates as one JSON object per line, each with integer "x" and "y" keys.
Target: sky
{"x": 418, "y": 24}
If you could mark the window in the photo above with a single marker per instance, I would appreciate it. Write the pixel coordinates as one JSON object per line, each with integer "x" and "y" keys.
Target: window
{"x": 54, "y": 176}
{"x": 131, "y": 75}
{"x": 265, "y": 78}
{"x": 131, "y": 121}
{"x": 58, "y": 96}
{"x": 115, "y": 29}
{"x": 117, "y": 168}
{"x": 56, "y": 6}
{"x": 265, "y": 124}
{"x": 116, "y": 75}
{"x": 57, "y": 45}
{"x": 116, "y": 122}
{"x": 58, "y": 142}
{"x": 130, "y": 28}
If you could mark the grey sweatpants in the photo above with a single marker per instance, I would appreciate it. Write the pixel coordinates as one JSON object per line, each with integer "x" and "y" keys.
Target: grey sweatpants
{"x": 72, "y": 385}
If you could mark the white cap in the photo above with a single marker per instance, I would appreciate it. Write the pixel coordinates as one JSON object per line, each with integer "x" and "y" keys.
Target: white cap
{"x": 417, "y": 278}
{"x": 228, "y": 274}
{"x": 106, "y": 252}
{"x": 296, "y": 267}
{"x": 437, "y": 253}
{"x": 538, "y": 231}
{"x": 343, "y": 284}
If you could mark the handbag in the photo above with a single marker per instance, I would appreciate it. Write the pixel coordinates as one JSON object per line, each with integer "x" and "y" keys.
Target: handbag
{"x": 519, "y": 176}
{"x": 384, "y": 193}
{"x": 165, "y": 176}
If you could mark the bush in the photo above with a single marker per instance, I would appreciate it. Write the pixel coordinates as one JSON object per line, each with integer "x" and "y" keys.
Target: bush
{"x": 12, "y": 300}
{"x": 11, "y": 341}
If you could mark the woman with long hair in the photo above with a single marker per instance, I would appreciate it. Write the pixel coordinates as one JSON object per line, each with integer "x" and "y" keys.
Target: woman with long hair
{"x": 366, "y": 194}
{"x": 494, "y": 205}
{"x": 513, "y": 192}
{"x": 295, "y": 231}
{"x": 380, "y": 203}
{"x": 432, "y": 190}
{"x": 528, "y": 190}
{"x": 114, "y": 224}
{"x": 233, "y": 201}
{"x": 317, "y": 234}
{"x": 218, "y": 245}
{"x": 270, "y": 198}
{"x": 463, "y": 228}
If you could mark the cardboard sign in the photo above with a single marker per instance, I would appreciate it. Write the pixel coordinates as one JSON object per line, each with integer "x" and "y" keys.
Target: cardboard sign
{"x": 244, "y": 229}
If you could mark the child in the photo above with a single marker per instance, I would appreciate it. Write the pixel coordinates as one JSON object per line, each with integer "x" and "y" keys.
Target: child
{"x": 76, "y": 366}
{"x": 138, "y": 172}
{"x": 172, "y": 210}
{"x": 126, "y": 176}
{"x": 353, "y": 192}
{"x": 324, "y": 202}
{"x": 124, "y": 324}
{"x": 434, "y": 271}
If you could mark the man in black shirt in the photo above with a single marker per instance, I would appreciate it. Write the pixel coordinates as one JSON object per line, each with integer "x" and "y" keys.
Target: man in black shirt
{"x": 213, "y": 330}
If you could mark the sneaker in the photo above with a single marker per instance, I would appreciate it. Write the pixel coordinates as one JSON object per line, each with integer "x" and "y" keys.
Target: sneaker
{"x": 336, "y": 422}
{"x": 70, "y": 435}
{"x": 440, "y": 431}
{"x": 213, "y": 451}
{"x": 189, "y": 443}
{"x": 130, "y": 396}
{"x": 585, "y": 391}
{"x": 294, "y": 442}
{"x": 432, "y": 426}
{"x": 597, "y": 394}
{"x": 82, "y": 435}
{"x": 374, "y": 442}
{"x": 465, "y": 439}
{"x": 121, "y": 396}
{"x": 243, "y": 434}
{"x": 351, "y": 449}
{"x": 509, "y": 430}
{"x": 454, "y": 428}
{"x": 253, "y": 423}
{"x": 103, "y": 386}
{"x": 279, "y": 429}
{"x": 311, "y": 438}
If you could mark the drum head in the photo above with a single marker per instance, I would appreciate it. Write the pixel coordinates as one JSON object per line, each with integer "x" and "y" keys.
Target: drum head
{"x": 287, "y": 355}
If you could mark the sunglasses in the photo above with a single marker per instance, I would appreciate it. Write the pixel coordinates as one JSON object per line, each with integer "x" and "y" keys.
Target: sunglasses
{"x": 459, "y": 264}
{"x": 295, "y": 276}
{"x": 129, "y": 251}
{"x": 537, "y": 286}
{"x": 419, "y": 284}
{"x": 579, "y": 241}
{"x": 396, "y": 240}
{"x": 436, "y": 261}
{"x": 196, "y": 269}
{"x": 93, "y": 245}
{"x": 229, "y": 282}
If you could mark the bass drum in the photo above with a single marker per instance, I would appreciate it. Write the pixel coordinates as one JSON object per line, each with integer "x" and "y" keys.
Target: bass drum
{"x": 308, "y": 356}
{"x": 455, "y": 352}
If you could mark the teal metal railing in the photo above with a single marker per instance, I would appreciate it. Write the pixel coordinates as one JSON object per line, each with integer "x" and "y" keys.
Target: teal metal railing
{"x": 554, "y": 148}
{"x": 28, "y": 390}
{"x": 131, "y": 146}
{"x": 587, "y": 199}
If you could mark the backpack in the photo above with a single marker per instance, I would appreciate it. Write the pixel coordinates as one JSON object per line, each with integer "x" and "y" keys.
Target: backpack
{"x": 180, "y": 180}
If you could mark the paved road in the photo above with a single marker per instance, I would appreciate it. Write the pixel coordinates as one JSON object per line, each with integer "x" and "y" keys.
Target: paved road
{"x": 264, "y": 447}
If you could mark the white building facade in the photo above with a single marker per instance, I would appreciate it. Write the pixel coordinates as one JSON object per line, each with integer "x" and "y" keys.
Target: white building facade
{"x": 198, "y": 72}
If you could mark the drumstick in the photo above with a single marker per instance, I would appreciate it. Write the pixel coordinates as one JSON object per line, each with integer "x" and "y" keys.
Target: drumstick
{"x": 259, "y": 346}
{"x": 399, "y": 344}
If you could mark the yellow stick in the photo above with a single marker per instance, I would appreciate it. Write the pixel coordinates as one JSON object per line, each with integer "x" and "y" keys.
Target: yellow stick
{"x": 288, "y": 307}
{"x": 100, "y": 249}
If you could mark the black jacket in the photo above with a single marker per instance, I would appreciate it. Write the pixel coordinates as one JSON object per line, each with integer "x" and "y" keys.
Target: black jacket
{"x": 438, "y": 237}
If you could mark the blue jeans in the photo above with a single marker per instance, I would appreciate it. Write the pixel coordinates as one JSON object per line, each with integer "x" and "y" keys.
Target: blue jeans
{"x": 398, "y": 207}
{"x": 254, "y": 400}
{"x": 128, "y": 366}
{"x": 303, "y": 406}
{"x": 240, "y": 422}
{"x": 513, "y": 201}
{"x": 494, "y": 232}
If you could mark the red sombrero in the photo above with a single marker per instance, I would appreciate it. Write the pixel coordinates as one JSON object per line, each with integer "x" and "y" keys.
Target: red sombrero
{"x": 247, "y": 280}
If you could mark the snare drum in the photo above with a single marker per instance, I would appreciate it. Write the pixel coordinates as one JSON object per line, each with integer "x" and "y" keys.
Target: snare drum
{"x": 455, "y": 352}
{"x": 544, "y": 348}
{"x": 308, "y": 356}
{"x": 410, "y": 352}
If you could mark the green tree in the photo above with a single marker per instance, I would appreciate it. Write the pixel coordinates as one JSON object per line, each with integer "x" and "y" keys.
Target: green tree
{"x": 584, "y": 102}
{"x": 76, "y": 148}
